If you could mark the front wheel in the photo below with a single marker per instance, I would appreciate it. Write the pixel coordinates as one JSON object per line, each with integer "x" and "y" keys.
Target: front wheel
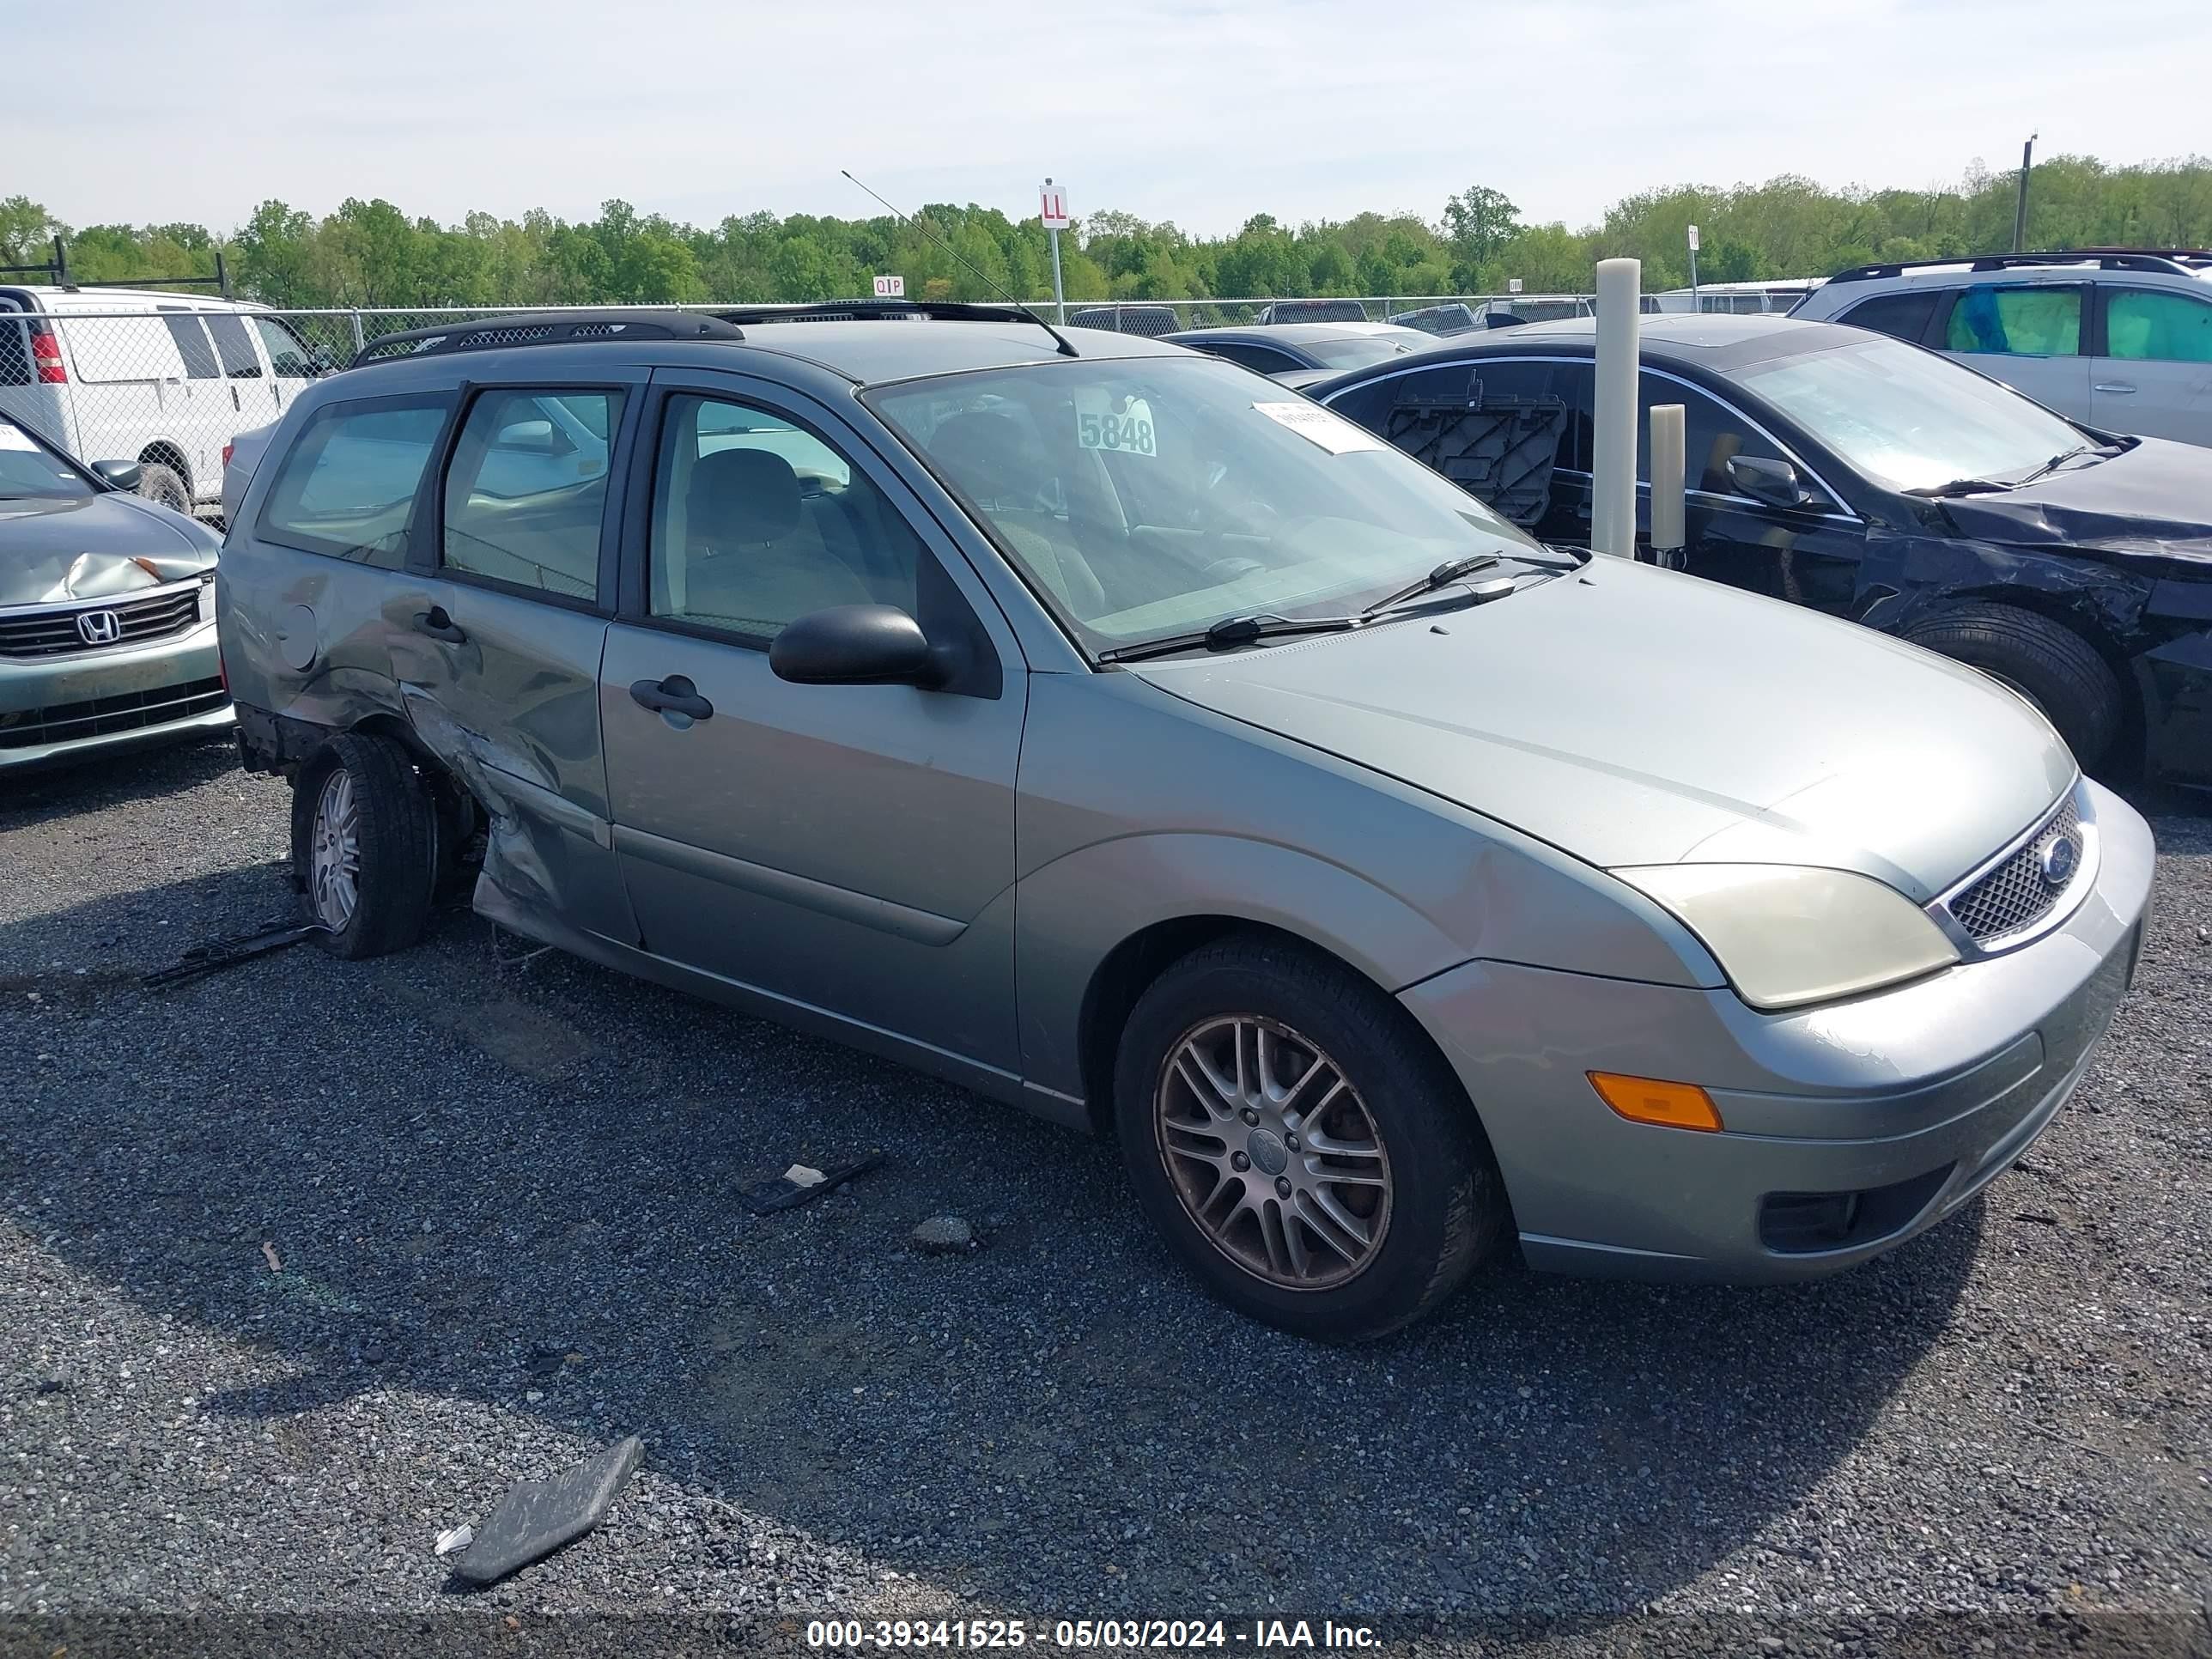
{"x": 1298, "y": 1143}
{"x": 2058, "y": 670}
{"x": 165, "y": 484}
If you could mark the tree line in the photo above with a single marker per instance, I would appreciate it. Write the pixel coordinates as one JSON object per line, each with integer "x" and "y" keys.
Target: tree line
{"x": 371, "y": 253}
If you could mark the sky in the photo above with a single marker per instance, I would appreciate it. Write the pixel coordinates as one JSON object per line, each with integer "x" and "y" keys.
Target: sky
{"x": 1202, "y": 113}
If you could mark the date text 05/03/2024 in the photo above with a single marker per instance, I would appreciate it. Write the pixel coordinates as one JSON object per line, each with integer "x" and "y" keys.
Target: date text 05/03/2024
{"x": 1168, "y": 1634}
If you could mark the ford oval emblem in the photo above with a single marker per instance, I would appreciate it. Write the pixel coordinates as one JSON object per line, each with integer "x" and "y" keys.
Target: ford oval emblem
{"x": 2061, "y": 858}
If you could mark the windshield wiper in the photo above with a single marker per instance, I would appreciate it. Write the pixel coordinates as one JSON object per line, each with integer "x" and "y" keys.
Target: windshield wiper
{"x": 2059, "y": 460}
{"x": 1232, "y": 631}
{"x": 1450, "y": 571}
{"x": 1961, "y": 487}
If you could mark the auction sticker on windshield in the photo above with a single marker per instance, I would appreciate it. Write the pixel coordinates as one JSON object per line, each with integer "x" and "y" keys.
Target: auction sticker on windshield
{"x": 12, "y": 439}
{"x": 1311, "y": 421}
{"x": 1123, "y": 425}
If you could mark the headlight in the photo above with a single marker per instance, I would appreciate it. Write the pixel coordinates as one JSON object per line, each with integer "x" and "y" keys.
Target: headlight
{"x": 1787, "y": 935}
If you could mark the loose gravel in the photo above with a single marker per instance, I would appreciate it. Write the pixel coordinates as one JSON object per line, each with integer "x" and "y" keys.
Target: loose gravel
{"x": 304, "y": 1263}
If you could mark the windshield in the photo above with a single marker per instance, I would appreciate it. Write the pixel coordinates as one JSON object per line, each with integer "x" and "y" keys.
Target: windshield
{"x": 1153, "y": 496}
{"x": 26, "y": 469}
{"x": 1910, "y": 419}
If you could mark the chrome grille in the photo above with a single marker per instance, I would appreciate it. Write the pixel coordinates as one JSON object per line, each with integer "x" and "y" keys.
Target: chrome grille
{"x": 100, "y": 717}
{"x": 54, "y": 633}
{"x": 2015, "y": 895}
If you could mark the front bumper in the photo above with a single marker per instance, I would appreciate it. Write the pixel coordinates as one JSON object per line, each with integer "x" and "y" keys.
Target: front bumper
{"x": 62, "y": 707}
{"x": 1906, "y": 1103}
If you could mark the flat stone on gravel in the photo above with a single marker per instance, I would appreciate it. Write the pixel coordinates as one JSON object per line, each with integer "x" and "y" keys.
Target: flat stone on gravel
{"x": 943, "y": 1234}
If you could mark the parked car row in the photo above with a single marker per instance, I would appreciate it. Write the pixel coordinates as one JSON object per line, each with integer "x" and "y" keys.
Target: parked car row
{"x": 1138, "y": 742}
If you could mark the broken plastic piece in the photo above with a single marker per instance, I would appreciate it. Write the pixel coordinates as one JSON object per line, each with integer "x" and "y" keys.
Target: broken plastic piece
{"x": 537, "y": 1518}
{"x": 219, "y": 953}
{"x": 787, "y": 1191}
{"x": 453, "y": 1539}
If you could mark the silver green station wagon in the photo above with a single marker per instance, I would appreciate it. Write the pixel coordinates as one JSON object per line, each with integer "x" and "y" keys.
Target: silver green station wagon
{"x": 1110, "y": 730}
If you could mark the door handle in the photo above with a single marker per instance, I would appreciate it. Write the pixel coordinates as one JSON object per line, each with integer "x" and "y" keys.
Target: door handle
{"x": 2114, "y": 385}
{"x": 674, "y": 695}
{"x": 439, "y": 626}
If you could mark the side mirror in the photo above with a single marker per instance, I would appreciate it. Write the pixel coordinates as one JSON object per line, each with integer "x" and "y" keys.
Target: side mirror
{"x": 534, "y": 437}
{"x": 1775, "y": 482}
{"x": 118, "y": 475}
{"x": 854, "y": 645}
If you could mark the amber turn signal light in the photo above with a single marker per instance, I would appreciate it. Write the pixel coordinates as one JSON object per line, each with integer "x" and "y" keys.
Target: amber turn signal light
{"x": 1648, "y": 1100}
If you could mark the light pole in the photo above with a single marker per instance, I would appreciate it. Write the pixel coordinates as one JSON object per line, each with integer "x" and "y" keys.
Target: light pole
{"x": 2019, "y": 211}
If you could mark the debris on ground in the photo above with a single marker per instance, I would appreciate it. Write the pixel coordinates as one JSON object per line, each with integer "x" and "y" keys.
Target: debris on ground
{"x": 551, "y": 1358}
{"x": 268, "y": 1254}
{"x": 219, "y": 953}
{"x": 943, "y": 1234}
{"x": 800, "y": 1183}
{"x": 537, "y": 1518}
{"x": 453, "y": 1539}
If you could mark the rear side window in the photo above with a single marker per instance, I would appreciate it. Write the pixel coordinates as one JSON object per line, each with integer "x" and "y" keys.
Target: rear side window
{"x": 1904, "y": 314}
{"x": 192, "y": 346}
{"x": 2144, "y": 325}
{"x": 2017, "y": 322}
{"x": 234, "y": 349}
{"x": 527, "y": 490}
{"x": 347, "y": 487}
{"x": 14, "y": 353}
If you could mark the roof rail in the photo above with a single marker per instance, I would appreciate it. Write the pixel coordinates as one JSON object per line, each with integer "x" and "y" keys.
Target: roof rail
{"x": 548, "y": 328}
{"x": 2183, "y": 256}
{"x": 841, "y": 311}
{"x": 2165, "y": 264}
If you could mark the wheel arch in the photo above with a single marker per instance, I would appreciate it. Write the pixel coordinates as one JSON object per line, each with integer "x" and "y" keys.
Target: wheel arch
{"x": 2078, "y": 611}
{"x": 162, "y": 452}
{"x": 1133, "y": 965}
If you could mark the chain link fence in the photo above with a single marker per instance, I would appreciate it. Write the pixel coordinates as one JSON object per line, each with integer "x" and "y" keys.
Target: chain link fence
{"x": 170, "y": 386}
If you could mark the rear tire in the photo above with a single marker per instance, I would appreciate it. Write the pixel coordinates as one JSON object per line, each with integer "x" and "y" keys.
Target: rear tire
{"x": 364, "y": 845}
{"x": 165, "y": 484}
{"x": 1391, "y": 1161}
{"x": 2047, "y": 663}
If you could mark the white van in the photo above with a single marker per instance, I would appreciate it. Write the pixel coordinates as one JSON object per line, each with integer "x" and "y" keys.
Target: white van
{"x": 139, "y": 374}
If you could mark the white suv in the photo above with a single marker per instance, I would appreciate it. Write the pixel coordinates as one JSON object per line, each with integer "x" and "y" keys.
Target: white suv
{"x": 2117, "y": 338}
{"x": 161, "y": 379}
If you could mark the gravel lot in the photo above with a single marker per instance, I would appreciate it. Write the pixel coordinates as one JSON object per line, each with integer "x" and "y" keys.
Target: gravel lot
{"x": 502, "y": 1197}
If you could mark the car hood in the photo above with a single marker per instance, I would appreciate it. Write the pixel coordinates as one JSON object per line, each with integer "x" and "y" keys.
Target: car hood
{"x": 95, "y": 547}
{"x": 2152, "y": 500}
{"x": 1630, "y": 715}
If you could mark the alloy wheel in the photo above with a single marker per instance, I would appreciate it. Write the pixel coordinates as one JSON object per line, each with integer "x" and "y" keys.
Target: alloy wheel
{"x": 334, "y": 862}
{"x": 1275, "y": 1157}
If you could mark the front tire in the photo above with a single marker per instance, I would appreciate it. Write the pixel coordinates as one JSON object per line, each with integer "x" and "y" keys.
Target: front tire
{"x": 165, "y": 484}
{"x": 2049, "y": 665}
{"x": 1299, "y": 1144}
{"x": 364, "y": 845}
